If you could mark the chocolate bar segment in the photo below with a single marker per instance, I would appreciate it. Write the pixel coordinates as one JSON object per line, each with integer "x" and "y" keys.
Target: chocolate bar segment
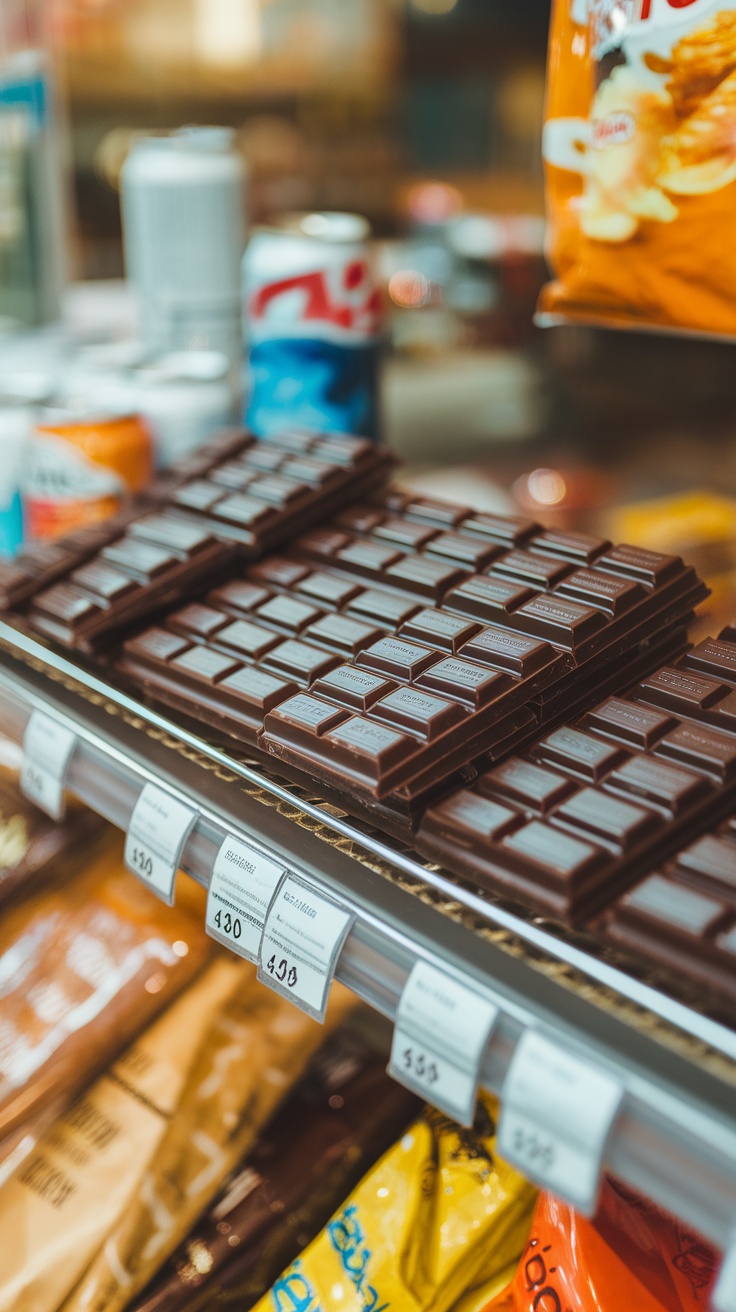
{"x": 157, "y": 561}
{"x": 597, "y": 803}
{"x": 241, "y": 494}
{"x": 682, "y": 918}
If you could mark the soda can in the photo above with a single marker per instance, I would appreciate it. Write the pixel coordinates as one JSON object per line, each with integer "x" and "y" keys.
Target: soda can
{"x": 16, "y": 422}
{"x": 81, "y": 468}
{"x": 184, "y": 398}
{"x": 183, "y": 207}
{"x": 313, "y": 323}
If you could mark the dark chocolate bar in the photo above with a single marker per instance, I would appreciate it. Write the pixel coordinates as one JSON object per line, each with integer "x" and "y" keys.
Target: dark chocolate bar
{"x": 239, "y": 496}
{"x": 38, "y": 565}
{"x": 330, "y": 663}
{"x": 591, "y": 806}
{"x": 683, "y": 916}
{"x": 155, "y": 562}
{"x": 271, "y": 489}
{"x": 342, "y": 1117}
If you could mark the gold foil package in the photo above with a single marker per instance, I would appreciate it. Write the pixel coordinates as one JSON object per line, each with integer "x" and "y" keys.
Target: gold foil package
{"x": 59, "y": 1207}
{"x": 257, "y": 1048}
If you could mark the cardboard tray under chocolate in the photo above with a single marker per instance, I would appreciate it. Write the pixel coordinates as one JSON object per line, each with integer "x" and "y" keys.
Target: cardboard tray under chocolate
{"x": 589, "y": 808}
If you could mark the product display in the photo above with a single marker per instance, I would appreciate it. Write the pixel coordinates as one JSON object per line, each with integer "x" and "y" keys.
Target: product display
{"x": 84, "y": 967}
{"x": 630, "y": 1256}
{"x": 449, "y": 763}
{"x": 401, "y": 1239}
{"x": 340, "y": 1118}
{"x": 641, "y": 175}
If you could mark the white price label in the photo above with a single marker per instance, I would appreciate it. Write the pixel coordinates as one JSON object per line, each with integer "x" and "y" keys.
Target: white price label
{"x": 302, "y": 940}
{"x": 159, "y": 828}
{"x": 243, "y": 883}
{"x": 47, "y": 750}
{"x": 442, "y": 1028}
{"x": 724, "y": 1294}
{"x": 556, "y": 1115}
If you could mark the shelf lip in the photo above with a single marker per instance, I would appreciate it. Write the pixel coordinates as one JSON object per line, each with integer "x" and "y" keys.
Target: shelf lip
{"x": 677, "y": 1123}
{"x": 674, "y": 1013}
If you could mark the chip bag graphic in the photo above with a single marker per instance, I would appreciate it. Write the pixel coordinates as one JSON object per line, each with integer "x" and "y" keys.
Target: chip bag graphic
{"x": 640, "y": 156}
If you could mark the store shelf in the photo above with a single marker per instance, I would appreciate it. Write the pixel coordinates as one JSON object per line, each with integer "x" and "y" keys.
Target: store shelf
{"x": 676, "y": 1137}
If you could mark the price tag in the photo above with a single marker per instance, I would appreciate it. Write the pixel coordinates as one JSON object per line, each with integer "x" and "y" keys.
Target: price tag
{"x": 442, "y": 1028}
{"x": 556, "y": 1115}
{"x": 724, "y": 1294}
{"x": 302, "y": 940}
{"x": 241, "y": 889}
{"x": 159, "y": 828}
{"x": 47, "y": 750}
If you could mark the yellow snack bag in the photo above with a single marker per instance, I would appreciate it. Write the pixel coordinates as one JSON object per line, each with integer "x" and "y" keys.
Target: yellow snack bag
{"x": 437, "y": 1214}
{"x": 640, "y": 157}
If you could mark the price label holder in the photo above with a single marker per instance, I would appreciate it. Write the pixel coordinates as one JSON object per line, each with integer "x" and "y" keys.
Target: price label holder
{"x": 724, "y": 1294}
{"x": 442, "y": 1029}
{"x": 556, "y": 1115}
{"x": 159, "y": 828}
{"x": 47, "y": 751}
{"x": 241, "y": 890}
{"x": 301, "y": 942}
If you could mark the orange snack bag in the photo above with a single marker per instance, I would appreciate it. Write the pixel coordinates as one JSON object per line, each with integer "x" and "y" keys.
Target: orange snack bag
{"x": 640, "y": 157}
{"x": 632, "y": 1256}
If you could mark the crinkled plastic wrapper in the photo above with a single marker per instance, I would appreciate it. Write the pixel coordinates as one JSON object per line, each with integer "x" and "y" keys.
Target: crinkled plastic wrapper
{"x": 631, "y": 1258}
{"x": 434, "y": 1217}
{"x": 83, "y": 968}
{"x": 56, "y": 1212}
{"x": 640, "y": 157}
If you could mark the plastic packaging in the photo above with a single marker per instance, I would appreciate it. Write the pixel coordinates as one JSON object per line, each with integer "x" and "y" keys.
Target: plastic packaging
{"x": 632, "y": 1257}
{"x": 641, "y": 165}
{"x": 82, "y": 969}
{"x": 256, "y": 1050}
{"x": 58, "y": 1209}
{"x": 439, "y": 1213}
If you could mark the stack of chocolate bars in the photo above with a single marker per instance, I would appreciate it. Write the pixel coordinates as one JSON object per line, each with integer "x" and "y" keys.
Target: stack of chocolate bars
{"x": 463, "y": 680}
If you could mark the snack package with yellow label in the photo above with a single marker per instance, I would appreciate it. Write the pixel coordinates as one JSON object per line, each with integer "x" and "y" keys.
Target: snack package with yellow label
{"x": 640, "y": 157}
{"x": 436, "y": 1216}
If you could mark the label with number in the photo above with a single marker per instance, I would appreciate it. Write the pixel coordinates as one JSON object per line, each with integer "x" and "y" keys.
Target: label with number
{"x": 47, "y": 750}
{"x": 724, "y": 1294}
{"x": 442, "y": 1028}
{"x": 556, "y": 1115}
{"x": 302, "y": 940}
{"x": 159, "y": 828}
{"x": 243, "y": 883}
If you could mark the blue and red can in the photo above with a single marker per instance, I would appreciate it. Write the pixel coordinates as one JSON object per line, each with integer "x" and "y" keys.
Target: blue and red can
{"x": 313, "y": 326}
